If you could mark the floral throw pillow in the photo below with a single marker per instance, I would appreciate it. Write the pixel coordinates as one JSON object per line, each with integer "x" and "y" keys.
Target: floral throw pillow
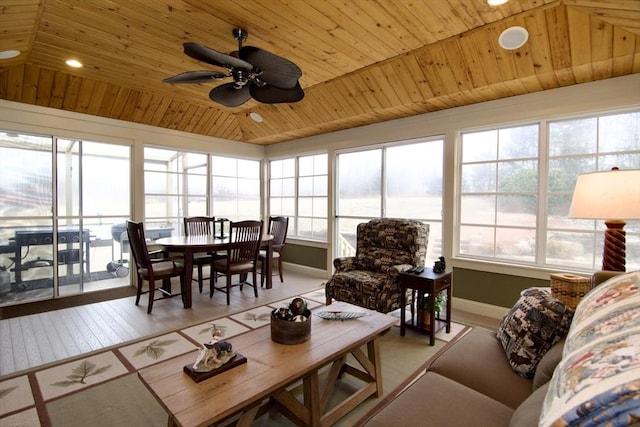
{"x": 532, "y": 326}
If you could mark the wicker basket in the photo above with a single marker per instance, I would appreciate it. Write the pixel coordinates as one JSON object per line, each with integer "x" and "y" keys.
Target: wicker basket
{"x": 569, "y": 288}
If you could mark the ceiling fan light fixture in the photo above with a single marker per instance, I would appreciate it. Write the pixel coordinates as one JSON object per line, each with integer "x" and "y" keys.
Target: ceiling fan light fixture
{"x": 256, "y": 117}
{"x": 513, "y": 38}
{"x": 496, "y": 2}
{"x": 8, "y": 54}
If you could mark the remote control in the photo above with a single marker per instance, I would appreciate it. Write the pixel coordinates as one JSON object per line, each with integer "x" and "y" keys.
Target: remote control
{"x": 419, "y": 270}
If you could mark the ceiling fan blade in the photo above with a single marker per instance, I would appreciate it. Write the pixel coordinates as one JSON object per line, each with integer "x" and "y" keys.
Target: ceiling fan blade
{"x": 227, "y": 95}
{"x": 202, "y": 76}
{"x": 274, "y": 95}
{"x": 276, "y": 71}
{"x": 210, "y": 56}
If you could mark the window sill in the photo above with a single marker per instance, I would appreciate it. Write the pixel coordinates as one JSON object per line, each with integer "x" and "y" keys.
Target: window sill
{"x": 533, "y": 272}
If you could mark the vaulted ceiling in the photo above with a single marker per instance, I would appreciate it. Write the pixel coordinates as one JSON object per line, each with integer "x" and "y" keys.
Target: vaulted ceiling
{"x": 363, "y": 61}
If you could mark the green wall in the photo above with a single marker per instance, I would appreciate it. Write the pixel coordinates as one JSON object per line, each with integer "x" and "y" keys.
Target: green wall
{"x": 492, "y": 288}
{"x": 305, "y": 255}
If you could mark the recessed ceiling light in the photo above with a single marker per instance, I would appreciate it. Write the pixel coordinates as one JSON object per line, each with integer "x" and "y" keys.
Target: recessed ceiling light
{"x": 496, "y": 2}
{"x": 73, "y": 63}
{"x": 256, "y": 117}
{"x": 513, "y": 38}
{"x": 8, "y": 54}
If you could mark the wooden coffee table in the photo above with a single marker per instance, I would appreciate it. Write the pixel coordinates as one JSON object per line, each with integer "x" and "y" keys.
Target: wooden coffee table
{"x": 274, "y": 371}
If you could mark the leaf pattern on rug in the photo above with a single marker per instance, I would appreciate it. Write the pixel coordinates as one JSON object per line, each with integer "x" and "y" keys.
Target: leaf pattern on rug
{"x": 155, "y": 349}
{"x": 6, "y": 391}
{"x": 262, "y": 317}
{"x": 208, "y": 330}
{"x": 81, "y": 372}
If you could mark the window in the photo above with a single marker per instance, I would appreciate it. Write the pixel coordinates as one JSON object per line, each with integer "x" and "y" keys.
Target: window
{"x": 400, "y": 180}
{"x": 175, "y": 186}
{"x": 517, "y": 183}
{"x": 298, "y": 188}
{"x": 579, "y": 146}
{"x": 498, "y": 197}
{"x": 235, "y": 186}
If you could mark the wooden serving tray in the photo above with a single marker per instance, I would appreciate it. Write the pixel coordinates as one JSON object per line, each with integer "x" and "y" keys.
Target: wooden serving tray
{"x": 237, "y": 360}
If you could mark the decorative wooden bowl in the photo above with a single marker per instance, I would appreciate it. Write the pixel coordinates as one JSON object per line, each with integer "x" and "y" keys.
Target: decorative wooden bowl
{"x": 288, "y": 332}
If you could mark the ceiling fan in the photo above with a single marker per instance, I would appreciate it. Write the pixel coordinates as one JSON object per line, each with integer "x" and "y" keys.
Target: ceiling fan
{"x": 256, "y": 74}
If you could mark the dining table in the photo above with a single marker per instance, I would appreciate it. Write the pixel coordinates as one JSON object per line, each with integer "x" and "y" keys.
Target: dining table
{"x": 189, "y": 245}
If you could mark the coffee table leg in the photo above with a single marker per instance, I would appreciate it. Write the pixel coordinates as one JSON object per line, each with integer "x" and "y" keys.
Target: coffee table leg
{"x": 312, "y": 398}
{"x": 247, "y": 417}
{"x": 373, "y": 348}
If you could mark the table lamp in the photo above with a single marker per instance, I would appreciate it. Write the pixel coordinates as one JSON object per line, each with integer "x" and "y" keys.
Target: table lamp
{"x": 613, "y": 196}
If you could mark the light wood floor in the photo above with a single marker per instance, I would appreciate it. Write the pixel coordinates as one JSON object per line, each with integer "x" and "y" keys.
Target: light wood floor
{"x": 45, "y": 338}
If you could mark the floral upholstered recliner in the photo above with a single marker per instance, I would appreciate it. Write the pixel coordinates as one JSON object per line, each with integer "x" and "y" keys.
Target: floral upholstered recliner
{"x": 384, "y": 248}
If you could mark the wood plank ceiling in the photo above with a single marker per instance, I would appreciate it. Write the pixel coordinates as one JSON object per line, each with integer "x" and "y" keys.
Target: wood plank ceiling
{"x": 363, "y": 61}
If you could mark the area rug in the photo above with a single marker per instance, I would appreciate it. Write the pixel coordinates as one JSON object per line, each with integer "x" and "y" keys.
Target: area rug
{"x": 103, "y": 389}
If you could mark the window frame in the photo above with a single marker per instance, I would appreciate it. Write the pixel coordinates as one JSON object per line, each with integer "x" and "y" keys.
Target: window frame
{"x": 238, "y": 177}
{"x": 541, "y": 260}
{"x": 384, "y": 173}
{"x": 294, "y": 218}
{"x": 182, "y": 195}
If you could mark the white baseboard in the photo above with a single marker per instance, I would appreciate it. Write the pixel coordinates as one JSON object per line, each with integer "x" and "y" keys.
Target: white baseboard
{"x": 480, "y": 308}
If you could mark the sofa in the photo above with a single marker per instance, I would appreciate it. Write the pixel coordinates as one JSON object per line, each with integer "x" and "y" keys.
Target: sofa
{"x": 384, "y": 248}
{"x": 534, "y": 372}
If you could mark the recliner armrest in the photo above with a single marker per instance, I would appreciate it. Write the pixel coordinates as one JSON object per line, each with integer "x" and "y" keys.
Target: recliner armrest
{"x": 345, "y": 263}
{"x": 402, "y": 267}
{"x": 394, "y": 271}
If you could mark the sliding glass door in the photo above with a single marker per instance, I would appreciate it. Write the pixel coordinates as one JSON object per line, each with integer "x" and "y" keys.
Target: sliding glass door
{"x": 59, "y": 200}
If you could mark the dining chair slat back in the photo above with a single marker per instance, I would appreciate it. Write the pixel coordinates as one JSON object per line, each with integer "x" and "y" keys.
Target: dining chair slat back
{"x": 151, "y": 269}
{"x": 242, "y": 255}
{"x": 201, "y": 226}
{"x": 198, "y": 225}
{"x": 278, "y": 227}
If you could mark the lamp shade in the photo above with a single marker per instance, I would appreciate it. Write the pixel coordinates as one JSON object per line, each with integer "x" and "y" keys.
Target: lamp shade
{"x": 611, "y": 194}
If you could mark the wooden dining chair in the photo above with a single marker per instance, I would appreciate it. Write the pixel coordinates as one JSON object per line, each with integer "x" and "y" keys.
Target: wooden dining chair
{"x": 152, "y": 269}
{"x": 201, "y": 226}
{"x": 278, "y": 226}
{"x": 241, "y": 256}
